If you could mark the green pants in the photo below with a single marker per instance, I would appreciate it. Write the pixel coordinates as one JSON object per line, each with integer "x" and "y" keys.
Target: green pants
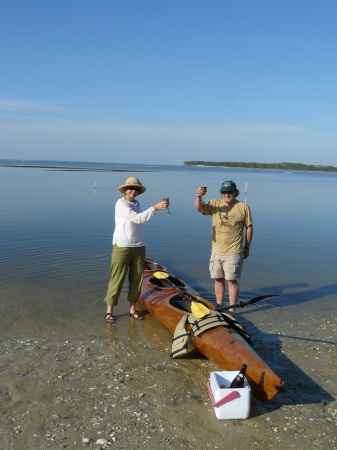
{"x": 123, "y": 259}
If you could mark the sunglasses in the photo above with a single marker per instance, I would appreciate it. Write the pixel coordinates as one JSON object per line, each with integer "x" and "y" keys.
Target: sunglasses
{"x": 132, "y": 188}
{"x": 227, "y": 192}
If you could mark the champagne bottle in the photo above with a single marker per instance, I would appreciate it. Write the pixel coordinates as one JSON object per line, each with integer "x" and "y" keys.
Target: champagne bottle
{"x": 239, "y": 380}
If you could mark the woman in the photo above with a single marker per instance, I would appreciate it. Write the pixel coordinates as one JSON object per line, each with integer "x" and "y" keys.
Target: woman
{"x": 128, "y": 246}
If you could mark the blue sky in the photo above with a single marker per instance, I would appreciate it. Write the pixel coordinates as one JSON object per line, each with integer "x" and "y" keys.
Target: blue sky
{"x": 169, "y": 81}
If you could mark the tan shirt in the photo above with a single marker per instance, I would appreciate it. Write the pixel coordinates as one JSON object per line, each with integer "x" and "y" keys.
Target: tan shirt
{"x": 227, "y": 225}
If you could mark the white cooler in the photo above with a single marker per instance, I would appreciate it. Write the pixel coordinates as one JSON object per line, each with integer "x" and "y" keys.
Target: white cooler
{"x": 228, "y": 403}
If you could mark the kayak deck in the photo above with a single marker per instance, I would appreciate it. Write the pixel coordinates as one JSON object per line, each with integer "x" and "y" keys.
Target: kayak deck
{"x": 222, "y": 345}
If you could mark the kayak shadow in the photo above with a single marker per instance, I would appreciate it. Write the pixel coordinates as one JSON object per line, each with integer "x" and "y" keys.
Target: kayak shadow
{"x": 288, "y": 299}
{"x": 299, "y": 388}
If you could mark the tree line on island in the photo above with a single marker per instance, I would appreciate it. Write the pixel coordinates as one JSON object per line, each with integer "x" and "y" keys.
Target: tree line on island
{"x": 253, "y": 165}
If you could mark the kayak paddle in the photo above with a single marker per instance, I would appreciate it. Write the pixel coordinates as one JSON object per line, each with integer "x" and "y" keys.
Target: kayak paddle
{"x": 242, "y": 303}
{"x": 199, "y": 310}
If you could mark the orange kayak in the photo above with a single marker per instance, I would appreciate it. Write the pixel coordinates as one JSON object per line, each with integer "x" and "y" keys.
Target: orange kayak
{"x": 222, "y": 345}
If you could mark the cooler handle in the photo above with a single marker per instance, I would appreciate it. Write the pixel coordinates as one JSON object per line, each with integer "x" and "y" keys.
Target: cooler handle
{"x": 227, "y": 398}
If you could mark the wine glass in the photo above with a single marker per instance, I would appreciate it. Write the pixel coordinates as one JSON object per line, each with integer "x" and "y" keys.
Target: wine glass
{"x": 167, "y": 200}
{"x": 203, "y": 192}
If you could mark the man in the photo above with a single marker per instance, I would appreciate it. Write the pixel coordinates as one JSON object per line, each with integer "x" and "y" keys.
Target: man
{"x": 229, "y": 218}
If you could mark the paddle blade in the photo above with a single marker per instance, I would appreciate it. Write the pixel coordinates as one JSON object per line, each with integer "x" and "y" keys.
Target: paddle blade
{"x": 199, "y": 310}
{"x": 161, "y": 275}
{"x": 260, "y": 297}
{"x": 241, "y": 303}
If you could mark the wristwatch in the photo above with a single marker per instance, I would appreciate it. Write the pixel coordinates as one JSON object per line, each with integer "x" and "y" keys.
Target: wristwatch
{"x": 247, "y": 247}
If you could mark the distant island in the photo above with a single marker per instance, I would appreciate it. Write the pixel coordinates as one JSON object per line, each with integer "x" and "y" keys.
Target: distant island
{"x": 253, "y": 165}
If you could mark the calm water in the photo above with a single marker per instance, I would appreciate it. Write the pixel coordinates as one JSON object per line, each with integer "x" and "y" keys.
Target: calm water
{"x": 56, "y": 232}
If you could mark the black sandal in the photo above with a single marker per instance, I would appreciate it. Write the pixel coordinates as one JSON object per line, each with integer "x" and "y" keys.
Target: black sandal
{"x": 136, "y": 315}
{"x": 109, "y": 318}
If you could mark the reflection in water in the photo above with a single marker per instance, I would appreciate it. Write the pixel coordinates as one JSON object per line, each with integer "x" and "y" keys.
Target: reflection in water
{"x": 112, "y": 332}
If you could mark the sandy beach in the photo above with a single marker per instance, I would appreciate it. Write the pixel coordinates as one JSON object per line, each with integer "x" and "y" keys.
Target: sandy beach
{"x": 120, "y": 389}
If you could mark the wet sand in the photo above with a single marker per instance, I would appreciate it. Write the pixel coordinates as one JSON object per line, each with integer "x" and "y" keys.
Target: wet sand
{"x": 76, "y": 384}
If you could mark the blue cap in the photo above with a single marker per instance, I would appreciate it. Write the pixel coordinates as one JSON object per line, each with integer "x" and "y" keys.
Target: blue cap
{"x": 228, "y": 186}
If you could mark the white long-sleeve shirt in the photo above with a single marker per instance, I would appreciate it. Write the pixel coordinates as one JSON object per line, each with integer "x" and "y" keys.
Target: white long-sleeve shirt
{"x": 129, "y": 223}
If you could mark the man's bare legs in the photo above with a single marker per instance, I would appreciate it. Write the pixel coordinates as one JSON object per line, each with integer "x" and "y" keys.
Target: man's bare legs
{"x": 233, "y": 292}
{"x": 220, "y": 289}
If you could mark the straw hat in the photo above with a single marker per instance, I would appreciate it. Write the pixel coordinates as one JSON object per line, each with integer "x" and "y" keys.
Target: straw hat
{"x": 132, "y": 181}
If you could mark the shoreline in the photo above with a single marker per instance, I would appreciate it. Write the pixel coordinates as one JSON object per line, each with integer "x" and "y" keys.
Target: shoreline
{"x": 284, "y": 166}
{"x": 70, "y": 169}
{"x": 289, "y": 171}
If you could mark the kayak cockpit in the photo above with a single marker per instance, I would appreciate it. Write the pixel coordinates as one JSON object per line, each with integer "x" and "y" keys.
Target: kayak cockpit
{"x": 165, "y": 285}
{"x": 180, "y": 303}
{"x": 152, "y": 266}
{"x": 183, "y": 304}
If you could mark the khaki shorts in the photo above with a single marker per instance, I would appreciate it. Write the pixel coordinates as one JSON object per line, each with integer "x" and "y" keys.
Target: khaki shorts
{"x": 228, "y": 267}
